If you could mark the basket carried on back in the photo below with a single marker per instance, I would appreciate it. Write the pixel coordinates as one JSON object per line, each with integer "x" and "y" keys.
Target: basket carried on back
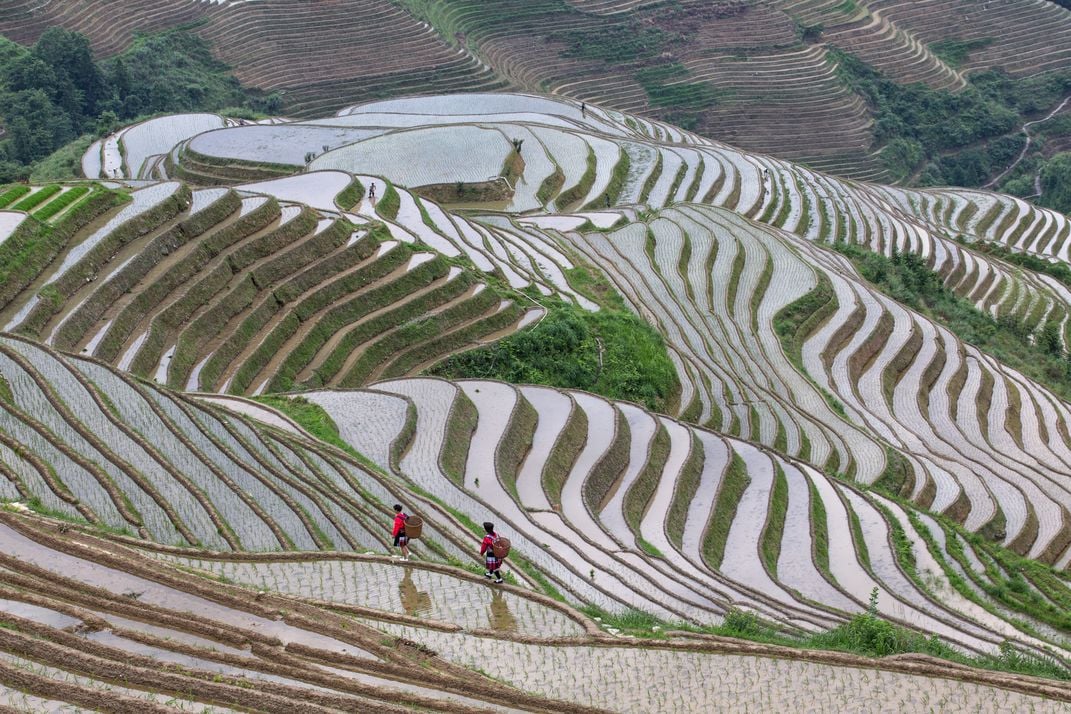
{"x": 500, "y": 547}
{"x": 414, "y": 525}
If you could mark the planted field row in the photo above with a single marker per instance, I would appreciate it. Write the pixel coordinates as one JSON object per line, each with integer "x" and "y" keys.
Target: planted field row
{"x": 751, "y": 529}
{"x": 90, "y": 444}
{"x": 93, "y": 623}
{"x": 218, "y": 292}
{"x": 780, "y": 341}
{"x": 577, "y": 158}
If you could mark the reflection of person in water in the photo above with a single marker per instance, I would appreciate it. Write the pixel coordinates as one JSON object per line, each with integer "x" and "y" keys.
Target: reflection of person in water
{"x": 414, "y": 602}
{"x": 501, "y": 618}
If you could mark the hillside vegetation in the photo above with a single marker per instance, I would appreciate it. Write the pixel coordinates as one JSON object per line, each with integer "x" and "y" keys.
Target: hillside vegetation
{"x": 709, "y": 395}
{"x": 56, "y": 91}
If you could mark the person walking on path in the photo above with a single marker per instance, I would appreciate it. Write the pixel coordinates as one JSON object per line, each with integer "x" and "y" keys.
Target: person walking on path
{"x": 372, "y": 192}
{"x": 401, "y": 540}
{"x": 487, "y": 550}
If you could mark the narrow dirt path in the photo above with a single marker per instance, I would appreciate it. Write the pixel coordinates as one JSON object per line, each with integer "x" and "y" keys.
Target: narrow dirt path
{"x": 1025, "y": 130}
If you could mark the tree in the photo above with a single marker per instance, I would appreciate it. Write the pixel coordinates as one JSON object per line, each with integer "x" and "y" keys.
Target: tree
{"x": 35, "y": 125}
{"x": 1056, "y": 183}
{"x": 71, "y": 59}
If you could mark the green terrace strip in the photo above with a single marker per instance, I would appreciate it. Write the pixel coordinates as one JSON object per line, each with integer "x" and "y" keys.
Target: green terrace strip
{"x": 574, "y": 193}
{"x": 55, "y": 206}
{"x": 775, "y": 527}
{"x": 732, "y": 488}
{"x": 34, "y": 245}
{"x": 37, "y": 198}
{"x": 387, "y": 205}
{"x": 610, "y": 196}
{"x": 639, "y": 495}
{"x": 351, "y": 196}
{"x": 13, "y": 194}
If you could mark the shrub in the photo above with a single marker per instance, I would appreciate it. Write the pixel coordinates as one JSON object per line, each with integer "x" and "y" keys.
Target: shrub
{"x": 611, "y": 352}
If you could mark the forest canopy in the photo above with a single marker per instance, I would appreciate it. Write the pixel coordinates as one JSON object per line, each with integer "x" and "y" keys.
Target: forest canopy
{"x": 56, "y": 91}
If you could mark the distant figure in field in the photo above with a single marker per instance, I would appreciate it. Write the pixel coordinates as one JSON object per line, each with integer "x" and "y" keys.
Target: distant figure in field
{"x": 401, "y": 540}
{"x": 491, "y": 550}
{"x": 372, "y": 193}
{"x": 583, "y": 110}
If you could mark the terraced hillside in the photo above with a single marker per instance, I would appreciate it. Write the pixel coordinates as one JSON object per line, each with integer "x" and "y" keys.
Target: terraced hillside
{"x": 836, "y": 458}
{"x": 217, "y": 289}
{"x": 85, "y": 443}
{"x": 97, "y": 624}
{"x": 965, "y": 431}
{"x": 659, "y": 493}
{"x": 88, "y": 443}
{"x": 275, "y": 44}
{"x": 245, "y": 291}
{"x": 763, "y": 76}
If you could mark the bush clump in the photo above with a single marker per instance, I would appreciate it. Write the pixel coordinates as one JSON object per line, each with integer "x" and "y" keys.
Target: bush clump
{"x": 610, "y": 352}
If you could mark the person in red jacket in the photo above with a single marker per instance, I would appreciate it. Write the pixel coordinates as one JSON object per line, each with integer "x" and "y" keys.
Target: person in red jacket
{"x": 487, "y": 551}
{"x": 401, "y": 540}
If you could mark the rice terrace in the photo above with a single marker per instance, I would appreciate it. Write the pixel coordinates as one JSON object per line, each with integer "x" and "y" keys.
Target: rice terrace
{"x": 535, "y": 355}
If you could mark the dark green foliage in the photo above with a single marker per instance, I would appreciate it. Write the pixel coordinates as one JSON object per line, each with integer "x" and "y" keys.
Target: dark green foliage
{"x": 869, "y": 635}
{"x": 563, "y": 350}
{"x": 906, "y": 278}
{"x": 1056, "y": 183}
{"x": 902, "y": 156}
{"x": 54, "y": 92}
{"x": 974, "y": 165}
{"x": 170, "y": 72}
{"x": 938, "y": 137}
{"x": 938, "y": 120}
